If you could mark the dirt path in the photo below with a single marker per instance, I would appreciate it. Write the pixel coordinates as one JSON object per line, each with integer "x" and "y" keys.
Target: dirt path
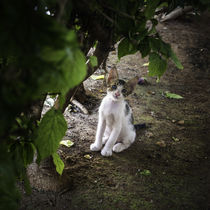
{"x": 168, "y": 165}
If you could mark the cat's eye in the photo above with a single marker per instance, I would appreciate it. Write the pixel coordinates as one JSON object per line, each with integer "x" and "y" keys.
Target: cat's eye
{"x": 124, "y": 90}
{"x": 114, "y": 87}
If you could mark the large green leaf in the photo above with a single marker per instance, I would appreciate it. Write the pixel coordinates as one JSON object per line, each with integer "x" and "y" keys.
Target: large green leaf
{"x": 150, "y": 9}
{"x": 144, "y": 47}
{"x": 125, "y": 48}
{"x": 155, "y": 44}
{"x": 167, "y": 51}
{"x": 67, "y": 67}
{"x": 59, "y": 164}
{"x": 49, "y": 133}
{"x": 175, "y": 59}
{"x": 157, "y": 65}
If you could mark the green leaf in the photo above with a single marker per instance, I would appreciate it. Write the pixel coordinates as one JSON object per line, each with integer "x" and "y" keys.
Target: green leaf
{"x": 49, "y": 133}
{"x": 93, "y": 61}
{"x": 150, "y": 9}
{"x": 59, "y": 164}
{"x": 175, "y": 60}
{"x": 144, "y": 47}
{"x": 172, "y": 95}
{"x": 145, "y": 172}
{"x": 167, "y": 51}
{"x": 125, "y": 48}
{"x": 27, "y": 185}
{"x": 155, "y": 44}
{"x": 28, "y": 153}
{"x": 66, "y": 67}
{"x": 175, "y": 139}
{"x": 157, "y": 65}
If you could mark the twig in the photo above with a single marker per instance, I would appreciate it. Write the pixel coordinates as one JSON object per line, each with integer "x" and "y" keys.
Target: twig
{"x": 80, "y": 106}
{"x": 176, "y": 13}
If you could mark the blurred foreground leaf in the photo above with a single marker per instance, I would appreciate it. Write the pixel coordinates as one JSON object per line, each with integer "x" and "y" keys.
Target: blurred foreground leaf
{"x": 49, "y": 133}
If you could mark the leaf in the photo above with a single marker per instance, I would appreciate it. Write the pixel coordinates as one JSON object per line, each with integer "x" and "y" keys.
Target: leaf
{"x": 59, "y": 164}
{"x": 28, "y": 153}
{"x": 125, "y": 48}
{"x": 167, "y": 51}
{"x": 64, "y": 68}
{"x": 93, "y": 61}
{"x": 145, "y": 172}
{"x": 144, "y": 47}
{"x": 97, "y": 77}
{"x": 146, "y": 64}
{"x": 155, "y": 44}
{"x": 150, "y": 9}
{"x": 175, "y": 60}
{"x": 88, "y": 157}
{"x": 175, "y": 139}
{"x": 67, "y": 143}
{"x": 49, "y": 133}
{"x": 172, "y": 95}
{"x": 157, "y": 66}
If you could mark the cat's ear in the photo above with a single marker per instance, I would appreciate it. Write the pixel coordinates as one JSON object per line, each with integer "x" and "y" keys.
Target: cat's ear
{"x": 113, "y": 75}
{"x": 131, "y": 84}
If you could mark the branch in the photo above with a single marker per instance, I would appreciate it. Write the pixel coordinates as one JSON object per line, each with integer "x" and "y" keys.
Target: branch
{"x": 176, "y": 13}
{"x": 101, "y": 52}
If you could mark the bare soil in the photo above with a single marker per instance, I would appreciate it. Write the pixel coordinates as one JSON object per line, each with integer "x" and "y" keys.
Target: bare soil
{"x": 174, "y": 148}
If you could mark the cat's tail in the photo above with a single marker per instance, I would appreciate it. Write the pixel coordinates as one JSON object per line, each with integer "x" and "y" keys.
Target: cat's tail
{"x": 139, "y": 126}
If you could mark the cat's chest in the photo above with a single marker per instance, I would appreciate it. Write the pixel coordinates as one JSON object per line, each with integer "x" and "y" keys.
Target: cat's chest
{"x": 111, "y": 108}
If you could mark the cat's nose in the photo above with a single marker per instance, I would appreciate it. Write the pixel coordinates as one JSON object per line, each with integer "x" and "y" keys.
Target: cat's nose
{"x": 117, "y": 94}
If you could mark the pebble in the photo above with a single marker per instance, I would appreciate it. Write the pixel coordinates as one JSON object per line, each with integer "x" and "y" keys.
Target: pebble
{"x": 180, "y": 122}
{"x": 161, "y": 143}
{"x": 149, "y": 134}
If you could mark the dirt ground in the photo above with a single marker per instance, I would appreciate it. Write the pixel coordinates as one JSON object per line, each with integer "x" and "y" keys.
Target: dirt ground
{"x": 168, "y": 165}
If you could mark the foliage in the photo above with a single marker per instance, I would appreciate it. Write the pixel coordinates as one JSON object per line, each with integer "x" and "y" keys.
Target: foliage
{"x": 50, "y": 132}
{"x": 43, "y": 51}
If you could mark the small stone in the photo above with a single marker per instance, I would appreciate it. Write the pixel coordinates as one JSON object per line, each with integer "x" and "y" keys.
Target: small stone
{"x": 161, "y": 143}
{"x": 149, "y": 134}
{"x": 141, "y": 81}
{"x": 180, "y": 122}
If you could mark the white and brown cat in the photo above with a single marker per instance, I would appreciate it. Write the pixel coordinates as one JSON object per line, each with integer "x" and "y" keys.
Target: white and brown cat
{"x": 115, "y": 129}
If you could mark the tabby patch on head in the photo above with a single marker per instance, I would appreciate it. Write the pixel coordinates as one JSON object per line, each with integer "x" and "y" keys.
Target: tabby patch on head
{"x": 118, "y": 85}
{"x": 119, "y": 88}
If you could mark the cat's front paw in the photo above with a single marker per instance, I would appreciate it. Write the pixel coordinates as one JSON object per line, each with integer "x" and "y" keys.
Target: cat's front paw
{"x": 118, "y": 147}
{"x": 106, "y": 153}
{"x": 95, "y": 147}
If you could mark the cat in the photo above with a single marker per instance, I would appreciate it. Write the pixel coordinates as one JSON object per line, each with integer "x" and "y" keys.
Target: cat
{"x": 115, "y": 129}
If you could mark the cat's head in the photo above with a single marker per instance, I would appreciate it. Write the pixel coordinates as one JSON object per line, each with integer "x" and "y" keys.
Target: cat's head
{"x": 118, "y": 89}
